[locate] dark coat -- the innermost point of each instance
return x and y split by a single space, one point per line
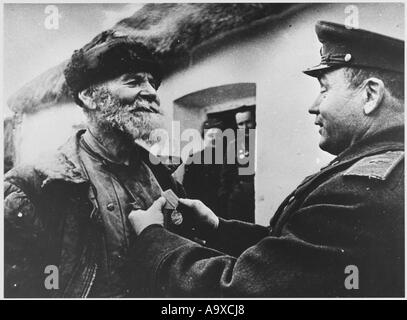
51 217
203 180
351 213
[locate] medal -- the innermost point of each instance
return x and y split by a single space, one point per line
176 217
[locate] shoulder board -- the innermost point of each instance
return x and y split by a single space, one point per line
378 166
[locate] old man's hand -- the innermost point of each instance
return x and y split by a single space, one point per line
141 219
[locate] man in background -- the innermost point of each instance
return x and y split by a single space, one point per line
238 177
202 177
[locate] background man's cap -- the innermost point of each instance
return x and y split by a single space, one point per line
244 115
107 56
344 47
213 123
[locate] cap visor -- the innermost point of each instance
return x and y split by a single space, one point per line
317 70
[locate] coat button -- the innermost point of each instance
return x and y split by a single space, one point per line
110 207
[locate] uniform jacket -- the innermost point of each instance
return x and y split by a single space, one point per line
52 218
339 233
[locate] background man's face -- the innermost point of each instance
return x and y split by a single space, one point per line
130 103
245 120
339 112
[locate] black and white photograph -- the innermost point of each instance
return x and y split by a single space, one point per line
203 150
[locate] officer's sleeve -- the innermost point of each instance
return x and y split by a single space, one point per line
21 232
172 266
233 236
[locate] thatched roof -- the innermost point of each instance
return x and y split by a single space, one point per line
46 90
172 30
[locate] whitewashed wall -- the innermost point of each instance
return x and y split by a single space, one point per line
43 132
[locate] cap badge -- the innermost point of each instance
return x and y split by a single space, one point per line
335 58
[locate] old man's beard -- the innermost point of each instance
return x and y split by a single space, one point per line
132 119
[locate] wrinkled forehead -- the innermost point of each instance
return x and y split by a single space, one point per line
138 75
243 116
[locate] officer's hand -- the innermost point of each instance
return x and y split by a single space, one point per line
201 214
141 219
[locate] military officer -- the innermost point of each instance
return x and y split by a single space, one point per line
341 232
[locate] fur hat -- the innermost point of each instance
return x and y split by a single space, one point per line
107 56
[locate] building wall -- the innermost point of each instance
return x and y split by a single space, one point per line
287 140
43 132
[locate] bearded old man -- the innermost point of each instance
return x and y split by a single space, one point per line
70 210
341 231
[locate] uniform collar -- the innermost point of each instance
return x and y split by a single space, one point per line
388 139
